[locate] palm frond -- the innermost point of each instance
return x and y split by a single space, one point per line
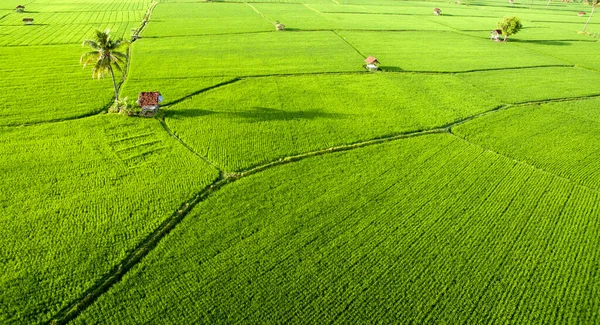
90 43
87 58
117 66
104 55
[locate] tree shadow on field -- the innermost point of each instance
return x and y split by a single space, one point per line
541 42
253 114
179 114
390 68
265 114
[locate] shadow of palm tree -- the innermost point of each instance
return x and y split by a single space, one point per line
179 114
254 114
541 42
265 114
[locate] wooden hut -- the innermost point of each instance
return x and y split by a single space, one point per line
20 8
495 34
279 26
437 11
28 21
581 13
371 63
150 103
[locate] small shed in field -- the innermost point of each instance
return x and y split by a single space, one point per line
150 103
371 63
279 26
437 11
495 34
581 13
20 8
28 21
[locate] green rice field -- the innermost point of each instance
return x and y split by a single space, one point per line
282 182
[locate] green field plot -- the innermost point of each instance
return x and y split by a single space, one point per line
576 28
258 120
424 230
82 17
44 83
88 5
60 34
77 197
307 17
294 16
577 53
560 138
67 23
244 55
281 182
535 84
178 19
485 24
282 1
172 90
382 22
444 51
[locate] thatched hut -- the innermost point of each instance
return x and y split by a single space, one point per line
28 21
495 34
437 11
150 103
371 63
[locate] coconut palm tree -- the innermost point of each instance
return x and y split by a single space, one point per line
105 56
594 4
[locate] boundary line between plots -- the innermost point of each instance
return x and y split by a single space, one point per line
74 309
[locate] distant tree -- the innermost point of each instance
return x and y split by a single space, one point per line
594 4
509 26
105 57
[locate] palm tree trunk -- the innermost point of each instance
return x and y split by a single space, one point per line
112 74
590 17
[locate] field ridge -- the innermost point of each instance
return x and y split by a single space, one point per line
134 257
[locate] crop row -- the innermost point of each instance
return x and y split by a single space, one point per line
48 83
255 121
558 138
78 6
61 34
70 18
424 230
77 197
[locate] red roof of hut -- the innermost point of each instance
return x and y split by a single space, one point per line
150 98
371 60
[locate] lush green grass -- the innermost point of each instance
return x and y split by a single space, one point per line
445 51
178 19
426 230
48 83
495 223
526 85
578 53
240 55
258 120
560 138
69 23
77 197
173 90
